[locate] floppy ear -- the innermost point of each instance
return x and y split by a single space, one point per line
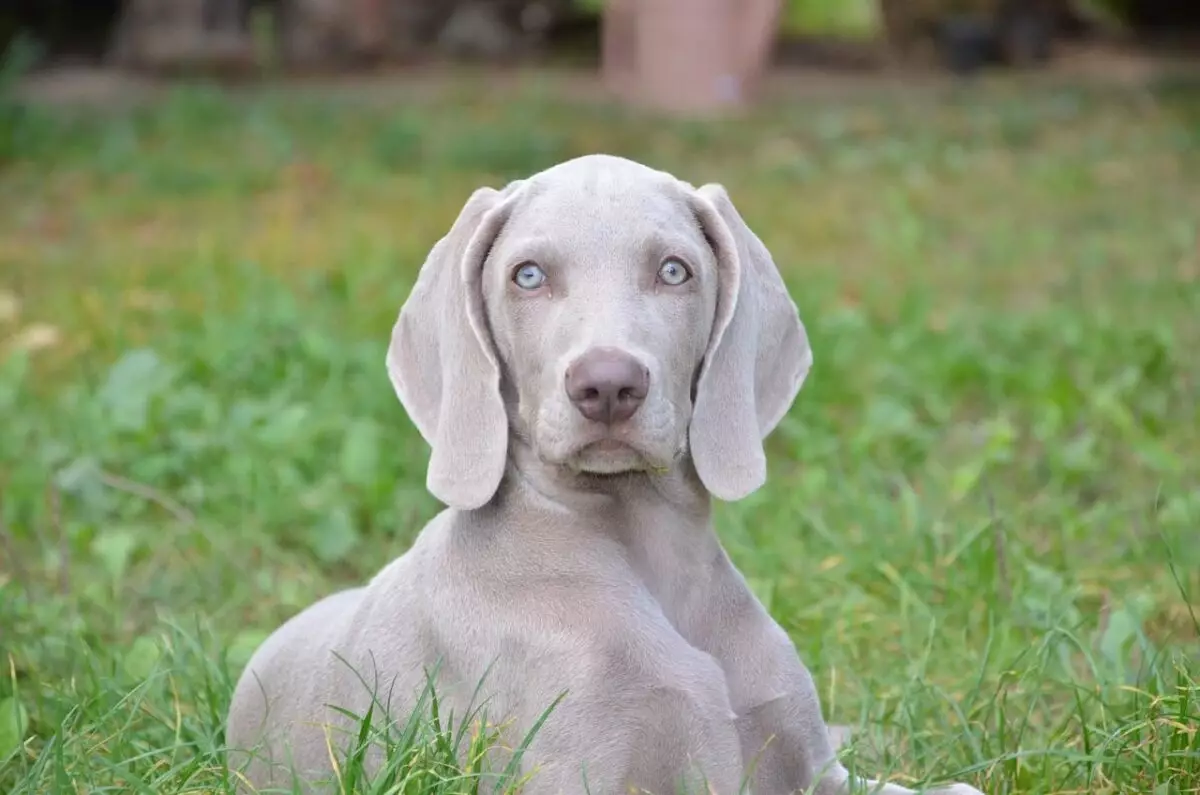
757 357
442 363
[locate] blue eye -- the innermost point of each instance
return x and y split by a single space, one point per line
529 276
673 272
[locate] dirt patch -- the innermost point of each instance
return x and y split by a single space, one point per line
88 86
1091 64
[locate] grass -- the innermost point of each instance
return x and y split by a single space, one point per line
982 524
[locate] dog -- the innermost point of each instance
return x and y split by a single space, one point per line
593 354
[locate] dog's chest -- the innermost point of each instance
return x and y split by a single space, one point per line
680 566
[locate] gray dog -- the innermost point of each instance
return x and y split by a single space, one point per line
593 354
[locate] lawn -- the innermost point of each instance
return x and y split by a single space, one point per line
982 519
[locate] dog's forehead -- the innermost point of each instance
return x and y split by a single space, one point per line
602 193
600 171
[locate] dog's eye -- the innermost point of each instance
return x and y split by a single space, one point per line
529 276
673 272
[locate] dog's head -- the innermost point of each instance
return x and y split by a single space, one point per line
609 315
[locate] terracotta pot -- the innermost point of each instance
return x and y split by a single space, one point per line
757 24
688 56
618 45
370 26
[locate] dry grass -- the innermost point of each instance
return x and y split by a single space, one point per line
982 516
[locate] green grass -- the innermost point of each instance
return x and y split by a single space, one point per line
982 523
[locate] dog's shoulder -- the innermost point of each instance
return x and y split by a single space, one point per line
425 557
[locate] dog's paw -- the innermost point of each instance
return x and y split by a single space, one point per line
839 736
954 789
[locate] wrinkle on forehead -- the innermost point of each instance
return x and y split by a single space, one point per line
601 213
595 169
585 189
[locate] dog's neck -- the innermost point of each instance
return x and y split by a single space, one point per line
660 522
630 494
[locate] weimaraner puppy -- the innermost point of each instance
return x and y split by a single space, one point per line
593 354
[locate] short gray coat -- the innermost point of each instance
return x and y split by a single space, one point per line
576 557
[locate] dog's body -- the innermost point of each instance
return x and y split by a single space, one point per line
592 353
642 620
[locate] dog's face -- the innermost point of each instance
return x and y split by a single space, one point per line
600 294
609 316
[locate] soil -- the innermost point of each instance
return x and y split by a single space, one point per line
89 85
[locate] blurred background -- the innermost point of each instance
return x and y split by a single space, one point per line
982 520
667 53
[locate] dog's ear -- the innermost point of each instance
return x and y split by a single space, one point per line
757 357
442 362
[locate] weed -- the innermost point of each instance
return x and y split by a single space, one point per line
981 520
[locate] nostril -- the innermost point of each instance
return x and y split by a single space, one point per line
607 385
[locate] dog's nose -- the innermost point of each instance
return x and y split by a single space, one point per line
607 385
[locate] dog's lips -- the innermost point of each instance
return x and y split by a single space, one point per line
609 442
606 452
597 447
608 445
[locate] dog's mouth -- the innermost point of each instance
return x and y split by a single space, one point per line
601 449
612 455
608 445
607 455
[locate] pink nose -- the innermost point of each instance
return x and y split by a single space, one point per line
607 385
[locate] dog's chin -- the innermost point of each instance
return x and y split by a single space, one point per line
609 457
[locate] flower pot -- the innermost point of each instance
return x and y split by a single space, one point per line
687 56
618 45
